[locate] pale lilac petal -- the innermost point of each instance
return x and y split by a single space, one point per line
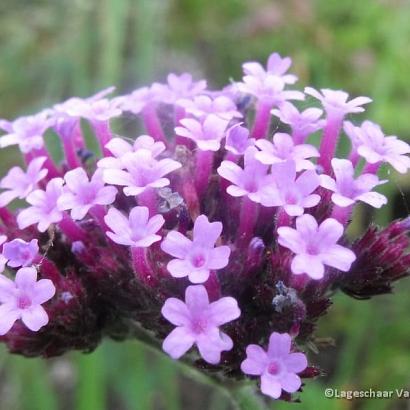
223 311
212 344
290 238
219 257
373 198
178 342
34 318
176 244
179 268
270 386
8 315
309 264
198 275
196 298
206 233
256 361
339 257
26 278
176 312
44 290
330 231
279 345
296 362
290 382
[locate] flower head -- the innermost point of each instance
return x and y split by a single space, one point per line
293 194
197 322
207 133
197 257
347 190
43 210
81 193
18 184
278 366
22 299
246 181
138 230
26 132
141 171
315 246
282 148
375 147
20 253
336 102
237 139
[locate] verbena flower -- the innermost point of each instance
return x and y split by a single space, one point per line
198 322
214 193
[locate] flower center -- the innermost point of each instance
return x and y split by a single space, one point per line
312 249
23 302
198 260
274 368
199 325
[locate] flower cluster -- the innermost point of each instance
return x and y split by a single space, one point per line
220 232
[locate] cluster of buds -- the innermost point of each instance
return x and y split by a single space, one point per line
219 236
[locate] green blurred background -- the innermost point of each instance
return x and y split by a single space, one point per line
50 50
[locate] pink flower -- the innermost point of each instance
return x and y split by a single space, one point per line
375 147
202 105
22 299
136 101
138 230
18 184
141 171
302 123
119 147
19 252
292 194
198 257
283 149
347 190
270 89
177 87
81 194
276 66
335 102
197 322
315 246
26 132
246 181
207 133
237 139
44 210
278 367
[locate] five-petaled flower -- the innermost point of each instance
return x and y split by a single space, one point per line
19 252
22 299
198 322
138 230
277 367
197 257
315 246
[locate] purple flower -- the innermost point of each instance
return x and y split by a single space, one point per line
293 194
336 102
315 246
270 89
197 322
247 180
198 257
19 252
278 367
202 105
44 210
283 149
22 299
375 147
26 132
142 171
276 66
207 133
18 184
177 87
347 190
302 123
119 147
237 139
81 194
138 230
136 101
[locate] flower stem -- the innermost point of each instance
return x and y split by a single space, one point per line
262 120
72 230
247 220
329 141
371 168
203 168
342 214
148 198
103 133
142 268
152 123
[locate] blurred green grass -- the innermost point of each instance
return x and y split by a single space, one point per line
52 50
